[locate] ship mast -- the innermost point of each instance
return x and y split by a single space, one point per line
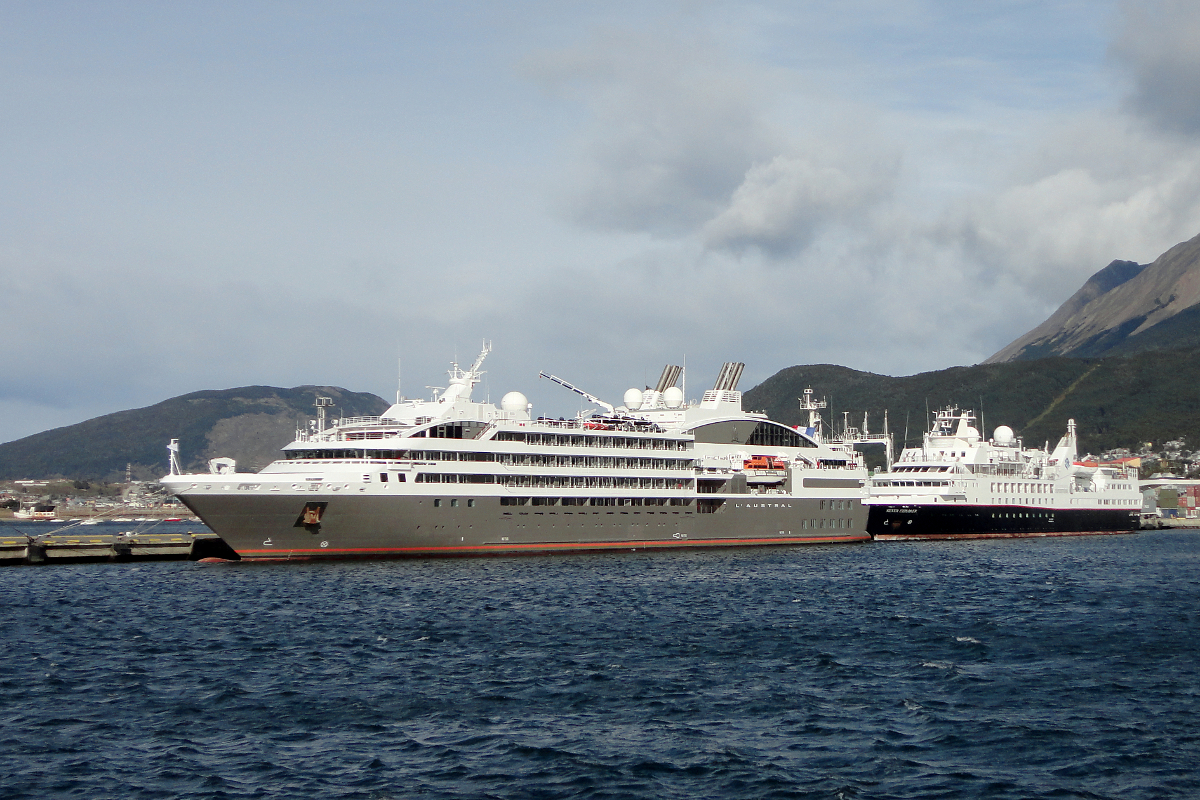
462 382
813 407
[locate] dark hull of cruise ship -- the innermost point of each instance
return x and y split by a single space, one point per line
274 528
902 521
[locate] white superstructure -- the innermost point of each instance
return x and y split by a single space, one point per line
451 474
959 484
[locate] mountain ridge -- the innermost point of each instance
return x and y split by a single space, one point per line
1116 401
1122 309
248 423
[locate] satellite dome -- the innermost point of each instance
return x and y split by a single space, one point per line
1003 435
673 397
633 399
514 401
222 466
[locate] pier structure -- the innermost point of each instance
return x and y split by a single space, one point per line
76 547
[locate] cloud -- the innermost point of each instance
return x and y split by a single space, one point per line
778 184
781 204
1158 42
779 200
1095 192
674 127
684 141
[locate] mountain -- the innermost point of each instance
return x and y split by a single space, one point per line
249 424
1124 308
1115 401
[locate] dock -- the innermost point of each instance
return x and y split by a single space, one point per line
76 548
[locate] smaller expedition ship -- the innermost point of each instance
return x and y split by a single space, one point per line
957 485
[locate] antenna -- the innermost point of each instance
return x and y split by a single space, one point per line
887 435
814 415
474 371
322 403
399 366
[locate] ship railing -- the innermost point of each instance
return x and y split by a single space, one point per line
360 435
343 436
550 422
601 424
355 421
1120 473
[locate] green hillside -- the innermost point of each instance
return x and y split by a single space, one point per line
1115 401
249 424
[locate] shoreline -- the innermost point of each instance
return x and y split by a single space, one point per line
74 515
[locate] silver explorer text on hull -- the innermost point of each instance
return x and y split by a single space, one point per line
451 476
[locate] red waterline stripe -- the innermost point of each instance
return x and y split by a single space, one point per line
571 545
885 537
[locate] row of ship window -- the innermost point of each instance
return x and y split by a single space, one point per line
454 501
579 440
767 434
515 459
599 502
558 481
912 483
592 462
1023 488
595 501
811 524
839 523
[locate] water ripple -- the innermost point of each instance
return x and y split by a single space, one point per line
1016 669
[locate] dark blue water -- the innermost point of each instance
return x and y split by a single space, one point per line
1057 668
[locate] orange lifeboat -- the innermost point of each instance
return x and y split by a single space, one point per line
764 462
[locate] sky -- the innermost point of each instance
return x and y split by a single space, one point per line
199 195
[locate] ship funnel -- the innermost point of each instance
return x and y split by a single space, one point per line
669 377
731 373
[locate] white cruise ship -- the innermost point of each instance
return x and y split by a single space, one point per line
957 485
452 476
